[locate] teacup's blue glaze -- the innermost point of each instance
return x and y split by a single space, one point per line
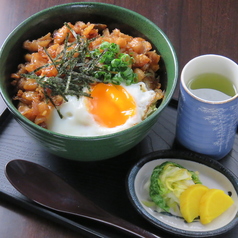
204 126
207 128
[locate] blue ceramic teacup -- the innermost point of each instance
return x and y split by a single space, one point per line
207 126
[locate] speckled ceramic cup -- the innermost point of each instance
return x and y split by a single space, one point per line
204 126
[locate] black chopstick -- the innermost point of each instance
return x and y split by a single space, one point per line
83 230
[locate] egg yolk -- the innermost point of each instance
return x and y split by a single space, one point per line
111 105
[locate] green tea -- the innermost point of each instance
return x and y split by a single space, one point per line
212 87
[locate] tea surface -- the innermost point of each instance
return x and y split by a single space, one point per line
212 87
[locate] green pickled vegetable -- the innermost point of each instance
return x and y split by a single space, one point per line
168 181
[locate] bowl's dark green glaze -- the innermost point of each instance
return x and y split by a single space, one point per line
129 22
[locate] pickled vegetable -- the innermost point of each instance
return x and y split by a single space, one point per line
190 201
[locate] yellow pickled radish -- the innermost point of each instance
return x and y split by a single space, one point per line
213 203
190 201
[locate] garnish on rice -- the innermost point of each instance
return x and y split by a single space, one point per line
74 58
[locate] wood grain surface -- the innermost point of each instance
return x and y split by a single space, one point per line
194 27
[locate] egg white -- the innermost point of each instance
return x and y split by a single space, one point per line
77 121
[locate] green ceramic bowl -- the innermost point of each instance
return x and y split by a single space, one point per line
129 22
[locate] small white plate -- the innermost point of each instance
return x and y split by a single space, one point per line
211 173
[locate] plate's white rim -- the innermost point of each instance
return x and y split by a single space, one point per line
208 176
198 160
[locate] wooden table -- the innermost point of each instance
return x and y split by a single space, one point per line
194 27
